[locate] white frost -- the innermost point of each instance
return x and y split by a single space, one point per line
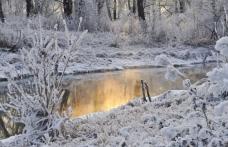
222 46
221 108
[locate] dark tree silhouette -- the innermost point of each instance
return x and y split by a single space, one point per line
141 12
29 7
114 10
67 7
2 17
182 6
129 4
134 6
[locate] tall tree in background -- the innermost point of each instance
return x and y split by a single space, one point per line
29 7
100 4
141 12
134 6
176 6
99 20
182 6
67 7
2 17
129 4
115 10
109 9
214 34
225 24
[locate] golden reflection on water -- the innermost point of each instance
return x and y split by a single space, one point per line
109 90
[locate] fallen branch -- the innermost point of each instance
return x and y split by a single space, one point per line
145 87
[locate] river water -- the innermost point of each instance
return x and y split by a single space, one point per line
104 91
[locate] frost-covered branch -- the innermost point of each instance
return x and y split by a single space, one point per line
36 102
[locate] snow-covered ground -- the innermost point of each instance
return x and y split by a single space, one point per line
170 120
106 51
197 117
175 118
180 118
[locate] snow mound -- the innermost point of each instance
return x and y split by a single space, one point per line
169 132
222 46
219 74
162 60
221 108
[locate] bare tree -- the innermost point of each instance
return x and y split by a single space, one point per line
182 6
134 6
176 6
100 4
214 34
29 7
225 25
129 4
108 9
68 7
141 12
115 10
2 17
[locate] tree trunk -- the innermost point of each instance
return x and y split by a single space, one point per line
108 9
114 10
67 7
141 12
182 6
153 17
176 7
134 6
29 7
2 17
214 34
80 12
225 22
100 4
129 4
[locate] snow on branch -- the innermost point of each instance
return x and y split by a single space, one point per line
36 102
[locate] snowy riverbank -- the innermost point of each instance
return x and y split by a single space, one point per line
106 52
170 120
193 117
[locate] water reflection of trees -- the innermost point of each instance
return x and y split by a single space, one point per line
113 90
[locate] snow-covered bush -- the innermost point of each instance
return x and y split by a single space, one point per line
10 38
222 46
209 101
36 102
219 75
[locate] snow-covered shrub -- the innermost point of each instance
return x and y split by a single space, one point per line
221 108
207 96
36 102
219 75
215 87
10 38
222 46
